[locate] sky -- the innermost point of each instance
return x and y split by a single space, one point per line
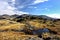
49 8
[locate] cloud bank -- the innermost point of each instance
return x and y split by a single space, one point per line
54 15
39 1
5 8
11 7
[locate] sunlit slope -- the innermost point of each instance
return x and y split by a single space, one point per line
17 36
54 26
6 24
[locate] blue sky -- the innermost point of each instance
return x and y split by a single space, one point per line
36 7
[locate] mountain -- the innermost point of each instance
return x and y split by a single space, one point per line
39 21
27 16
39 25
14 16
32 17
9 17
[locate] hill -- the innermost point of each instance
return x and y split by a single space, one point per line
29 25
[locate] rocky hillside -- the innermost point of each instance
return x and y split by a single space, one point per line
39 21
41 26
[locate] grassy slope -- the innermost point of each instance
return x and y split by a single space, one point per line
8 25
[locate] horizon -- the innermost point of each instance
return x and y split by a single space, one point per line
29 14
49 8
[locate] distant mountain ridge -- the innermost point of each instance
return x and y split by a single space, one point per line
5 16
35 17
27 16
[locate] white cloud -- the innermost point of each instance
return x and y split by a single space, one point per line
55 15
20 6
39 1
33 7
5 8
13 0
